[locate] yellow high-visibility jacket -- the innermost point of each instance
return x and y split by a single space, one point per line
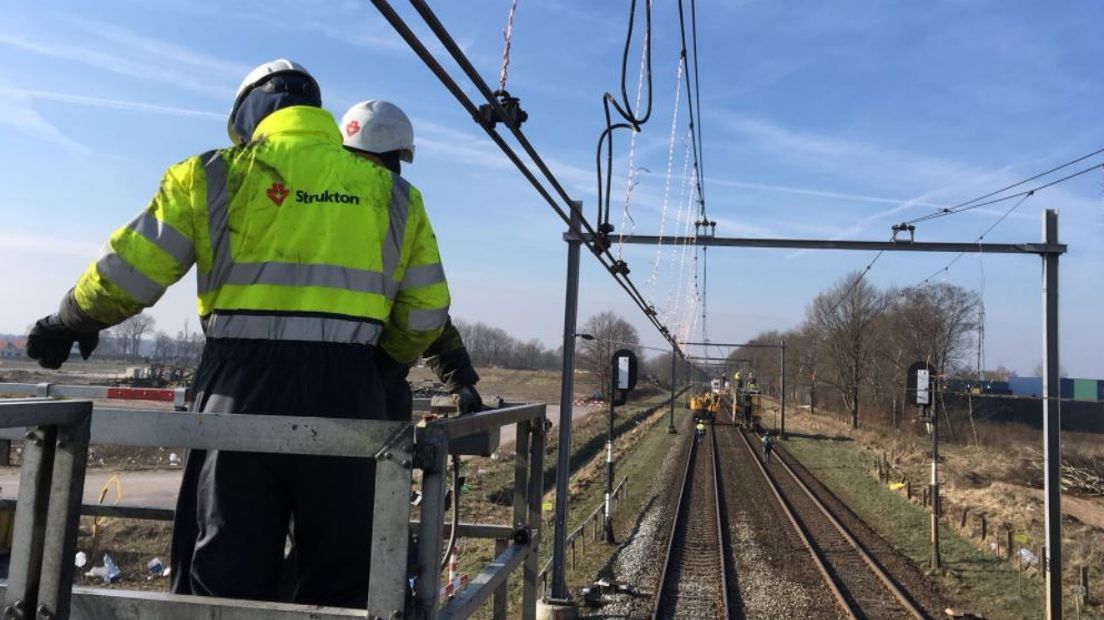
293 237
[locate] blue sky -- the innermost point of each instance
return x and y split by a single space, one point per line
818 120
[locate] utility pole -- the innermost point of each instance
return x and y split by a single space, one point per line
936 561
607 525
782 394
674 374
1052 422
573 237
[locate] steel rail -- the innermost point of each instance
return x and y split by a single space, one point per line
786 508
875 568
674 531
721 521
680 514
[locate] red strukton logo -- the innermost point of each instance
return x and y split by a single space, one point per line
352 127
277 193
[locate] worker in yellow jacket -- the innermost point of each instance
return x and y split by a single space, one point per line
314 269
380 132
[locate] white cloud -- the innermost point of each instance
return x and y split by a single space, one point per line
183 74
21 116
117 104
804 191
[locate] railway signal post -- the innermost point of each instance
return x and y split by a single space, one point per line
623 379
920 387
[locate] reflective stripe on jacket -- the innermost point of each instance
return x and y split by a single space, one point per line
293 238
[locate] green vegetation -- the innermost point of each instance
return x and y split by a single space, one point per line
976 580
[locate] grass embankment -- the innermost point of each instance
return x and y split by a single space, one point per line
641 441
978 580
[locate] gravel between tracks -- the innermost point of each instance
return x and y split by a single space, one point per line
775 574
639 561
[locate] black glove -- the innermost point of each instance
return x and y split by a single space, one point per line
50 342
468 400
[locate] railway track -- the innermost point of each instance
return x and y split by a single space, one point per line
859 584
694 582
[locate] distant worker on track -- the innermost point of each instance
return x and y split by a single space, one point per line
301 303
699 431
768 447
381 133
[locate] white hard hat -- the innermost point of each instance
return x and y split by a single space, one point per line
377 126
255 77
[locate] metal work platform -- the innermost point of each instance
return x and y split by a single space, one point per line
56 435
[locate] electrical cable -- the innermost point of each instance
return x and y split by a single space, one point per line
627 113
981 237
630 182
450 45
690 106
697 93
974 204
455 510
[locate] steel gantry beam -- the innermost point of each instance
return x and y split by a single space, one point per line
1045 248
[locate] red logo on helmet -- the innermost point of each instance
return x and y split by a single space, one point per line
352 127
277 193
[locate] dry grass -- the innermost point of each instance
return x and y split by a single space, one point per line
1000 478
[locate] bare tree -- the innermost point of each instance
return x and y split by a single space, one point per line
659 367
131 332
841 319
492 346
188 345
936 323
610 333
764 363
163 346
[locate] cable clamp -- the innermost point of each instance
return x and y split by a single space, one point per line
620 266
601 239
904 227
488 115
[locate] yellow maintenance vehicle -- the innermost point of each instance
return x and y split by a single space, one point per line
748 406
705 405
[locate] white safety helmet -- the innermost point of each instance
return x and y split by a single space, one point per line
254 78
378 126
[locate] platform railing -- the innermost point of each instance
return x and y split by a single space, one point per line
56 436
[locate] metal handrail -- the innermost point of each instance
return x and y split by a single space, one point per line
48 508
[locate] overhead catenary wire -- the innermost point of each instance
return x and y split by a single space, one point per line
981 201
686 193
671 141
601 252
697 95
690 99
981 237
977 202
